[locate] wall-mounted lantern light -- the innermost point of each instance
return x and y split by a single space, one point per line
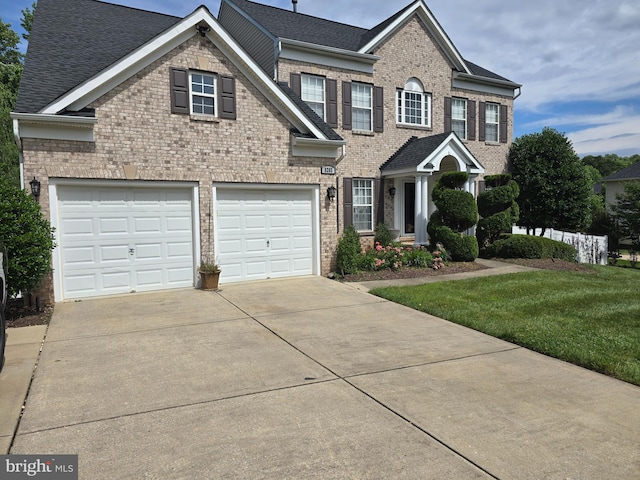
331 192
35 188
392 192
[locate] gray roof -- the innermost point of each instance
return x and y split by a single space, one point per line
286 24
413 152
73 40
632 172
309 113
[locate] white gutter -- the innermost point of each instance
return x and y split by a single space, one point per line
16 136
333 51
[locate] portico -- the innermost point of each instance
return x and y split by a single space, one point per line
414 170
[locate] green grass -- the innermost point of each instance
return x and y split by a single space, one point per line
589 319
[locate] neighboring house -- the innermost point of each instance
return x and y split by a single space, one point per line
614 183
161 140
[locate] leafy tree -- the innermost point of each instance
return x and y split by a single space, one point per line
457 211
10 72
609 163
554 189
626 213
27 235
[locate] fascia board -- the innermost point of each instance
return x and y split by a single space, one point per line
311 147
484 84
327 56
431 24
53 127
102 83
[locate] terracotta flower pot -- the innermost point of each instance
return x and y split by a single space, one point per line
209 280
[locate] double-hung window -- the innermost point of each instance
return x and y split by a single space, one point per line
313 93
413 104
203 93
459 117
492 122
363 204
362 107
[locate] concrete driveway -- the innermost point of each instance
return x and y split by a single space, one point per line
310 378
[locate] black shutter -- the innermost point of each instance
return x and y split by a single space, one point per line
378 109
296 83
227 98
179 84
379 190
332 102
482 117
503 124
471 120
347 193
347 123
447 114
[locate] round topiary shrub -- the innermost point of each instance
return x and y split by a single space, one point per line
456 212
498 209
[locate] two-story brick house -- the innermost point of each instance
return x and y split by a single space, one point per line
252 139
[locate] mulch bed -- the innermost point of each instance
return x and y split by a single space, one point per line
19 315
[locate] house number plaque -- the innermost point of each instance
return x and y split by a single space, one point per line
328 170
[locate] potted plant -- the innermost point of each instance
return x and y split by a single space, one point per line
209 275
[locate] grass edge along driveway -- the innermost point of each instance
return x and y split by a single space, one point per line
589 319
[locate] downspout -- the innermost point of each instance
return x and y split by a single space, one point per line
519 93
16 136
342 155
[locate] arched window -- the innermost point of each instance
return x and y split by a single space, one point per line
414 104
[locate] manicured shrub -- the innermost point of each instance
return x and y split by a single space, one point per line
528 246
28 237
498 209
456 212
349 251
383 235
418 257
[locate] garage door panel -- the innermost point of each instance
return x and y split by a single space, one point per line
260 232
124 239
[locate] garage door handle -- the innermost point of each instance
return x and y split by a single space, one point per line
131 251
267 243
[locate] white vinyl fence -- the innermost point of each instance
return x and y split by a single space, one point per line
591 248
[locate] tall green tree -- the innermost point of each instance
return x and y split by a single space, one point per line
626 213
554 188
609 163
10 72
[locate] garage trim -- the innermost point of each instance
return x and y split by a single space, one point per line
54 183
314 190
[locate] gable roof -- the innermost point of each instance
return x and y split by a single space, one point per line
424 155
66 52
288 25
78 80
632 172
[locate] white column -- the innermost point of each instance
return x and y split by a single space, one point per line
418 209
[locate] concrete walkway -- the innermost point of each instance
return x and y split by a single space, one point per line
311 378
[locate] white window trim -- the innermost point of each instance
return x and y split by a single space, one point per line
413 86
354 107
456 119
308 101
370 182
206 95
496 123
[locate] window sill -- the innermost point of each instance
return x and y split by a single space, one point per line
409 126
492 144
364 133
196 117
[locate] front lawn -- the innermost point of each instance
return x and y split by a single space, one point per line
590 319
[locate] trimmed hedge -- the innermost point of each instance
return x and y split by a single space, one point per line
528 246
349 251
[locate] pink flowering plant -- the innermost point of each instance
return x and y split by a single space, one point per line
396 256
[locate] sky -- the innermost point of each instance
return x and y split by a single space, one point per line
578 60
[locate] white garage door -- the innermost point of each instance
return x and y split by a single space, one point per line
119 240
264 233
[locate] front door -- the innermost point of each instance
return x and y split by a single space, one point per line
409 218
